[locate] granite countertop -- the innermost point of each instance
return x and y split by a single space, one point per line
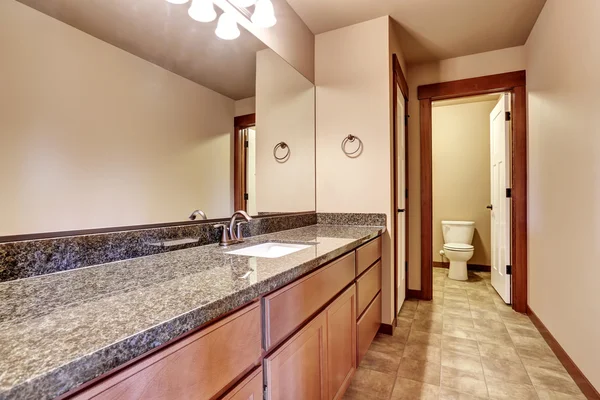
60 330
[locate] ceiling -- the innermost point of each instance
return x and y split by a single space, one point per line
163 34
432 29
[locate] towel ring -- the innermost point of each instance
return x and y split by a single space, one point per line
351 139
283 146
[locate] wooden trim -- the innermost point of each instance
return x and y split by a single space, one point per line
413 294
473 86
513 82
388 329
471 267
426 200
398 80
239 159
580 379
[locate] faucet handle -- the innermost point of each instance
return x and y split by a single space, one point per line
224 235
239 229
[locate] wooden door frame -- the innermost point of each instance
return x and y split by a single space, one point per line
239 159
399 80
515 83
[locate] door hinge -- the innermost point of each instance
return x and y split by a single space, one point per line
508 193
406 117
509 270
246 144
245 196
507 116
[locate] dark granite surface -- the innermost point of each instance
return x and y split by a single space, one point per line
360 219
29 258
60 330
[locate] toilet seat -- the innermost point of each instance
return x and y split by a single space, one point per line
458 247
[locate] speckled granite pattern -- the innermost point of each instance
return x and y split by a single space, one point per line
351 219
38 257
60 330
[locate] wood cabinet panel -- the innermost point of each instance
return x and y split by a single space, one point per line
367 254
298 369
250 388
198 367
367 328
367 287
341 343
289 307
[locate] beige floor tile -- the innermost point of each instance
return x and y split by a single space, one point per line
406 389
547 361
452 319
419 370
423 352
495 338
543 378
450 394
455 291
459 345
499 352
408 313
457 312
425 325
482 307
460 332
464 362
382 362
505 370
428 338
454 296
545 394
370 385
388 344
463 381
410 304
498 389
490 326
523 330
460 305
486 315
403 321
512 317
428 315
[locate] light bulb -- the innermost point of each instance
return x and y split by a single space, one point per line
264 14
243 3
178 1
227 28
202 10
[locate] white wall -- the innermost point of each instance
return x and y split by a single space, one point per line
352 73
245 106
563 61
93 136
461 172
489 63
285 111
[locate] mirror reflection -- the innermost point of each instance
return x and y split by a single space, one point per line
119 113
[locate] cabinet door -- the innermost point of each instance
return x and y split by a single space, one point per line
250 388
341 342
298 369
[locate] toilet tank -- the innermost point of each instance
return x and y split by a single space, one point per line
458 231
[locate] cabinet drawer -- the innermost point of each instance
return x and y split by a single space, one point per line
367 328
250 388
290 306
367 254
367 286
197 367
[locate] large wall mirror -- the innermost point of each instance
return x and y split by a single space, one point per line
125 112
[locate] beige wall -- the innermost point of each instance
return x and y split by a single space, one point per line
461 172
93 136
564 177
353 96
245 106
493 62
285 111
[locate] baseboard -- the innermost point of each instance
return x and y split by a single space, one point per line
471 267
413 294
584 384
388 329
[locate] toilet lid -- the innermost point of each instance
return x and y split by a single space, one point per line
458 246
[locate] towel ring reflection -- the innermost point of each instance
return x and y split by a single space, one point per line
283 146
352 139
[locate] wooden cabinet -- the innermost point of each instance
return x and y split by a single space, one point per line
341 343
250 388
367 287
197 367
298 369
287 308
367 328
367 254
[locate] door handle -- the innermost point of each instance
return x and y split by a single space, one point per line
401 210
490 207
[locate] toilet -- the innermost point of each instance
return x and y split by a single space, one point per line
458 236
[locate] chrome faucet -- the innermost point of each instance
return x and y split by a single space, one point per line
230 234
196 213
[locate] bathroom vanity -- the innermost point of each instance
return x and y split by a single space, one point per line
207 325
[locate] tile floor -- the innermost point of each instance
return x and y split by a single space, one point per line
465 344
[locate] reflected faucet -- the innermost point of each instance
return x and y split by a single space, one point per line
196 213
230 235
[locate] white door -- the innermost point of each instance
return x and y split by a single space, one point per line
401 214
500 130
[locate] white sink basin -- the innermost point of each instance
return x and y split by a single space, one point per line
270 250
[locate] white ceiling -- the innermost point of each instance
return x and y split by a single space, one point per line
163 34
432 29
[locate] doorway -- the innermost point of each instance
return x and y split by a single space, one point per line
244 160
400 162
512 83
